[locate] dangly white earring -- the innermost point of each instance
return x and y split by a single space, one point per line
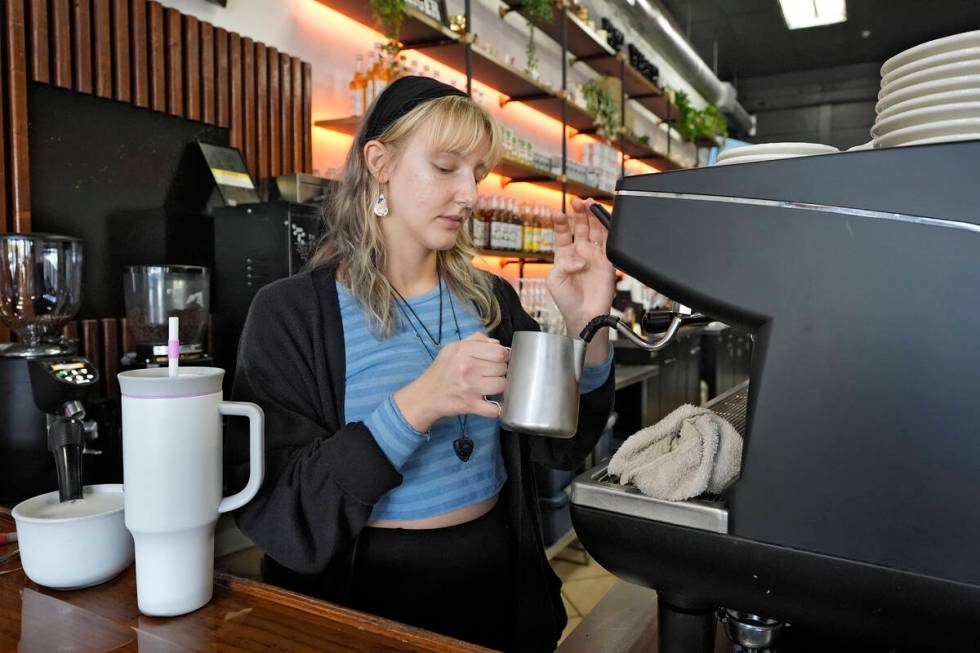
381 206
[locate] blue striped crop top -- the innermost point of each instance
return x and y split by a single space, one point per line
434 480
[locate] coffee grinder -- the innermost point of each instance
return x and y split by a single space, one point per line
155 293
42 382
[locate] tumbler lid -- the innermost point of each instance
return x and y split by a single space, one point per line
154 382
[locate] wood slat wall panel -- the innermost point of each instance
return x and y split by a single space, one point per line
236 135
275 114
90 342
192 68
248 108
207 74
297 117
138 62
286 109
175 69
81 40
102 33
157 57
60 45
4 182
262 109
121 61
141 52
110 359
40 60
15 86
307 117
222 80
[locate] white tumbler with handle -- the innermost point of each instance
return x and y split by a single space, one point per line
172 480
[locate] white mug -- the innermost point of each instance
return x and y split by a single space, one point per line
172 480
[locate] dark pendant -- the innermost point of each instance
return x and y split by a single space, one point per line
463 447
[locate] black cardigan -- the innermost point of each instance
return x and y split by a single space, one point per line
323 475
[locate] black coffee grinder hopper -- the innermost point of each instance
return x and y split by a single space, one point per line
59 387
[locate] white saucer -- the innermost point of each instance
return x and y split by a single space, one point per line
964 54
932 100
955 69
936 86
931 130
925 115
932 48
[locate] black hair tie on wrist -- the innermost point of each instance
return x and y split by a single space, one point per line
401 96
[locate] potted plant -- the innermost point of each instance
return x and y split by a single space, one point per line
388 16
604 108
694 124
535 11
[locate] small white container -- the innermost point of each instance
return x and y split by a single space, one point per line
74 544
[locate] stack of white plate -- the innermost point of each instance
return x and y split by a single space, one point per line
772 151
930 93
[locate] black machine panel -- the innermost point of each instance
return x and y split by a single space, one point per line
863 418
255 245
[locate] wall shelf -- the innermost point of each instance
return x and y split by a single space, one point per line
417 30
518 172
524 257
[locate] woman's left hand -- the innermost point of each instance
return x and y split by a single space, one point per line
582 280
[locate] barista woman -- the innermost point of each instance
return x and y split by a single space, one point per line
390 485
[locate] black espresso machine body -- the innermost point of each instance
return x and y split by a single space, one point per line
858 273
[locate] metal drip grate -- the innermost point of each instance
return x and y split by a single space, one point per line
733 406
597 489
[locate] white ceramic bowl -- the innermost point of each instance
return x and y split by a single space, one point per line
932 100
946 71
956 130
931 49
793 149
925 115
757 158
76 544
926 89
941 59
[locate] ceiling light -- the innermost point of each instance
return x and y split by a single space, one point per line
812 13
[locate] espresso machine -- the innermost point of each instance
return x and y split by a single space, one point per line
45 425
854 520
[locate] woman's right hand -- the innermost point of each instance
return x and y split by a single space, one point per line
457 382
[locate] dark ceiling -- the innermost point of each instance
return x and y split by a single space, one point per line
753 39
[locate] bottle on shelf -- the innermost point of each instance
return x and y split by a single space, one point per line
479 224
382 75
370 78
518 242
496 224
358 87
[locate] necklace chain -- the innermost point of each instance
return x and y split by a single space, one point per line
462 419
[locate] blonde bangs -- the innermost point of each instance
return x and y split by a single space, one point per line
456 124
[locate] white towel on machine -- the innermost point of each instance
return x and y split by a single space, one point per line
689 452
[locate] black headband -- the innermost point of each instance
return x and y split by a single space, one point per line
401 96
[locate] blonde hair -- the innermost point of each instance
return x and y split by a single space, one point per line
352 239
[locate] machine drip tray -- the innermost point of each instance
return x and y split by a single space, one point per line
597 489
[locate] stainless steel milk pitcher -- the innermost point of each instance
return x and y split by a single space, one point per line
542 392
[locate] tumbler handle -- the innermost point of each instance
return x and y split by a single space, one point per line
256 452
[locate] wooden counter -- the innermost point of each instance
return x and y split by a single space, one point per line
244 615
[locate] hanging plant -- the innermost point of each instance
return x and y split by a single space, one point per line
604 109
388 16
535 11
